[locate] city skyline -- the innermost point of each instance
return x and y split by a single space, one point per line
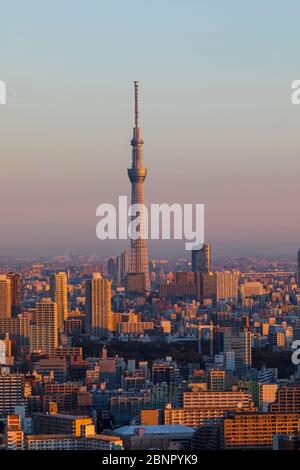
149 294
217 117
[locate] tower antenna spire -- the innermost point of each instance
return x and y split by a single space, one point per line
136 99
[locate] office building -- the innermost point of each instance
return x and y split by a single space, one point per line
165 371
123 263
240 344
201 259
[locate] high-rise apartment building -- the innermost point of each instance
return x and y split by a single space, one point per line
200 407
193 417
219 380
5 296
117 268
44 333
230 400
287 400
59 294
206 283
7 346
251 289
183 283
72 442
226 285
217 286
111 268
201 259
14 435
98 305
18 329
11 392
137 174
16 286
256 430
267 395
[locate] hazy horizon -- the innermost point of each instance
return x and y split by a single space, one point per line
216 117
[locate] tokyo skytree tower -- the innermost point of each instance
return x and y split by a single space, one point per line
137 174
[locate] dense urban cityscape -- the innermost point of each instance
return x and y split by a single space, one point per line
124 352
202 361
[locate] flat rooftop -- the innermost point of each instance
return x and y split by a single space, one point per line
157 429
62 416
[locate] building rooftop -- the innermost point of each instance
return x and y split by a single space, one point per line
157 429
104 437
53 437
62 415
99 437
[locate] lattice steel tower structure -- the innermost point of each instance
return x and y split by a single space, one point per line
137 174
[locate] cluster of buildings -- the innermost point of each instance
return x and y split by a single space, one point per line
61 387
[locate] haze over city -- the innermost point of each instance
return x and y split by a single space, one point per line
217 120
